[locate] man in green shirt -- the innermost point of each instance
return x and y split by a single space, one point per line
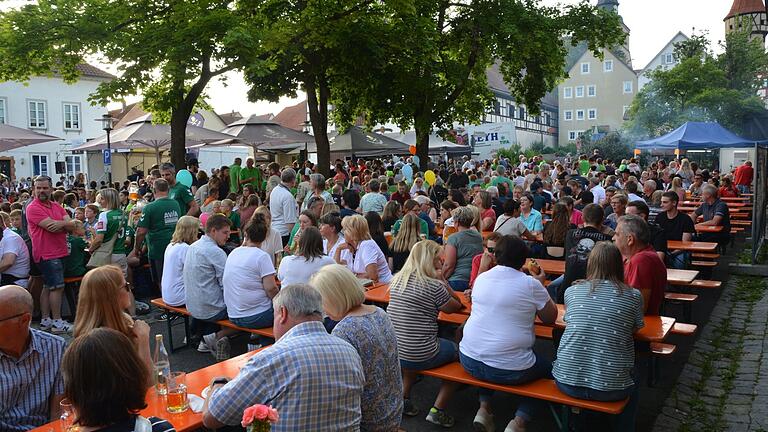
74 262
502 178
179 192
234 176
584 165
250 175
157 223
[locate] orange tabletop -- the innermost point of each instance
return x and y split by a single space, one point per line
681 277
708 228
551 267
196 382
730 204
380 294
692 246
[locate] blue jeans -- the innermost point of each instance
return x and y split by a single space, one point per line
553 286
679 260
743 188
258 321
458 285
528 407
446 354
620 422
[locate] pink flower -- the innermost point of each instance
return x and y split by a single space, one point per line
259 413
272 415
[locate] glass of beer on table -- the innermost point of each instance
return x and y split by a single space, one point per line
67 416
176 398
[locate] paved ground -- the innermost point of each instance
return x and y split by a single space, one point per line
717 380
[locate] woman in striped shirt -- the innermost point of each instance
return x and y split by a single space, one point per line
417 294
596 357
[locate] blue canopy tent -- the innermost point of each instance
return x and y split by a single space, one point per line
696 136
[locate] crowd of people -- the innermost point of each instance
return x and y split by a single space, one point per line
288 248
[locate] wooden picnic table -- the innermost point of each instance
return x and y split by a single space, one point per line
196 382
730 204
708 228
689 209
681 277
691 246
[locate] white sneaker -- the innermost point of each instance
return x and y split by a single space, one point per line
46 324
483 421
203 347
253 347
210 341
222 349
61 326
513 427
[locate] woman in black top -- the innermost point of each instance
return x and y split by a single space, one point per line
556 229
377 232
408 235
391 215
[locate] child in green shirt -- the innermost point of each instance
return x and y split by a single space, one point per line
74 262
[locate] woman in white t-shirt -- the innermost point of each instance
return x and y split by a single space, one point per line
172 282
499 335
330 229
273 243
309 258
249 279
360 253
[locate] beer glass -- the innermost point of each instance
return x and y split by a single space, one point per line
176 398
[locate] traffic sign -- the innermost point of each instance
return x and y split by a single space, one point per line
107 158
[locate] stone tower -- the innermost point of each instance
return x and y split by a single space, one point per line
750 13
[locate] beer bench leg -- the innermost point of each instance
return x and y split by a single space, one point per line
172 317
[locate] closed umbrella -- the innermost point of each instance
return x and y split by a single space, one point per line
12 137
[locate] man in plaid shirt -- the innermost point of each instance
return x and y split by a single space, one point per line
313 379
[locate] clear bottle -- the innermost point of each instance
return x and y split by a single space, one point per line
162 366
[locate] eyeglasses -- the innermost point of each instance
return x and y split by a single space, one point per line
491 249
12 317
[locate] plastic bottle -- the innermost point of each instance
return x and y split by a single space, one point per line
162 366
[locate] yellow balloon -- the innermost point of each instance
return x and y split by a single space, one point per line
429 176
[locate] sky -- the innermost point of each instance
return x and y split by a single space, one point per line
652 24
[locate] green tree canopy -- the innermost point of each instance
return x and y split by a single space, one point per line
168 51
433 70
702 87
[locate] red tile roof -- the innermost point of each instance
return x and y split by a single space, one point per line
293 117
740 7
92 71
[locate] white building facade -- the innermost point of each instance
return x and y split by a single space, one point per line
49 105
664 60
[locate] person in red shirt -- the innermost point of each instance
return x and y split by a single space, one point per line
743 177
402 194
728 190
642 267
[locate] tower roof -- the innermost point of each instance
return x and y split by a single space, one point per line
610 4
741 7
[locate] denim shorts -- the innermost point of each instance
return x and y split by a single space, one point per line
447 353
53 273
458 285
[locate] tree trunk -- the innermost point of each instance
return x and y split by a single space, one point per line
423 127
178 138
317 103
183 109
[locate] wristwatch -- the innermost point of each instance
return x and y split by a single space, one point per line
221 381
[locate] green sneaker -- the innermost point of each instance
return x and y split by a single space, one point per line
439 417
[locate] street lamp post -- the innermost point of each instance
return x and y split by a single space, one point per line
106 124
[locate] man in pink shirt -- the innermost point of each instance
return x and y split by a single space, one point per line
48 224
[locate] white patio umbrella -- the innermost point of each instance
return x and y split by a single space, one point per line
142 133
12 137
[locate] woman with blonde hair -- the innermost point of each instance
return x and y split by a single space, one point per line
360 253
329 207
104 297
417 295
677 187
584 368
408 236
172 282
370 331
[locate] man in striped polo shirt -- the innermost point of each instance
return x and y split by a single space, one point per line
29 360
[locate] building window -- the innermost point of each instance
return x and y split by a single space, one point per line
39 164
624 111
627 87
567 92
522 112
568 115
74 164
669 58
591 91
71 116
579 115
608 66
579 91
37 115
592 114
3 119
584 68
571 135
